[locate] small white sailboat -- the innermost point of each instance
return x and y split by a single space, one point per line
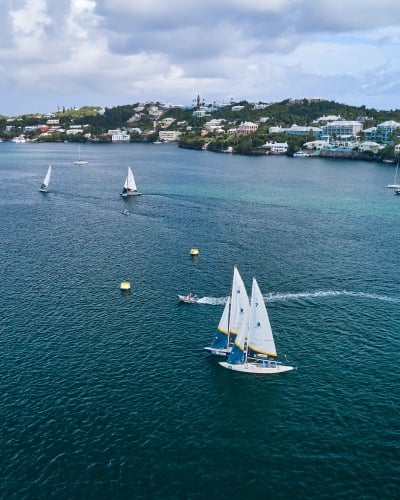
235 313
254 350
130 188
395 184
46 181
79 161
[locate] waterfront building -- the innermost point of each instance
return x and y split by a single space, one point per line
276 147
342 128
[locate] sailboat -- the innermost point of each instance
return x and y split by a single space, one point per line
46 180
254 350
79 161
235 312
395 184
130 188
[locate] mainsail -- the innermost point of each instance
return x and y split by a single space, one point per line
235 311
130 184
46 180
261 339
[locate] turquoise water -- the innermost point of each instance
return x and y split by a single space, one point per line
106 395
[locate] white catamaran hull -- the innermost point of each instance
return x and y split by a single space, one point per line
256 368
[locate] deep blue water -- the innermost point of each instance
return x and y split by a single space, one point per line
106 395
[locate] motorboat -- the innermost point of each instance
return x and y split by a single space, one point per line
189 298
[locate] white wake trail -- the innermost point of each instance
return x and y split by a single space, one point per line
284 297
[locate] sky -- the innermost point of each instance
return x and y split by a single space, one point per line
73 53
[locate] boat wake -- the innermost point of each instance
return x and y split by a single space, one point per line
285 297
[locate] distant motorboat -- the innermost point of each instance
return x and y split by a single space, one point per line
301 154
18 139
189 298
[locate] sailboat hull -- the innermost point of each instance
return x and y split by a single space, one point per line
218 352
257 368
134 193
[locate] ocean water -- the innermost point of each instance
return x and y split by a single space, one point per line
109 395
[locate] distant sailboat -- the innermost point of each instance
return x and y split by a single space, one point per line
395 184
235 312
46 180
79 161
130 188
254 350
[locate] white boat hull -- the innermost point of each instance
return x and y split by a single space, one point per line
125 195
257 368
218 352
188 300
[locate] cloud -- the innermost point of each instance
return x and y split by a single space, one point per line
108 52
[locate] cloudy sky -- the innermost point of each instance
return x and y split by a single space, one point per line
56 53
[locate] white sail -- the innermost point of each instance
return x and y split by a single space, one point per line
79 161
254 344
239 303
46 180
130 183
234 316
260 339
223 325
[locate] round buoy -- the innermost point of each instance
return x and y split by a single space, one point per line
194 252
125 285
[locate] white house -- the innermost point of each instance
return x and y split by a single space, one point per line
276 147
169 135
121 136
370 146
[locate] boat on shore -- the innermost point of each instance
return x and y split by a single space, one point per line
301 154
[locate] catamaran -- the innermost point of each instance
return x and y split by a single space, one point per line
46 180
254 350
130 188
235 313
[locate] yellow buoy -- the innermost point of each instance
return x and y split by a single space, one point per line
125 285
194 252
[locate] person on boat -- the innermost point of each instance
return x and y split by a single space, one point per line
190 295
